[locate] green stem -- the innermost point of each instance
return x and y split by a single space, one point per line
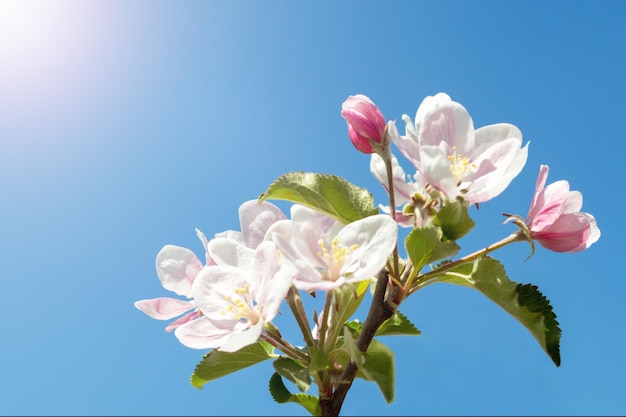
278 342
325 319
427 277
297 308
386 155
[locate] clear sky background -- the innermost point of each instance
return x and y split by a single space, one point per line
124 125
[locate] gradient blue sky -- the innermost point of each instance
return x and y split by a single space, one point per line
126 124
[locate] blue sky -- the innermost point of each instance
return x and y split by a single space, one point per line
125 125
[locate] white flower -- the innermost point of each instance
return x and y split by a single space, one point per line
328 254
177 268
456 159
237 296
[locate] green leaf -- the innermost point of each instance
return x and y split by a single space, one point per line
318 359
281 395
294 371
454 220
425 245
217 364
348 297
523 301
380 367
377 364
349 344
397 324
328 194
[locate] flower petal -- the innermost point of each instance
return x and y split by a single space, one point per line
403 190
226 251
255 220
204 333
164 308
183 320
550 204
374 238
242 338
448 125
572 232
213 288
177 267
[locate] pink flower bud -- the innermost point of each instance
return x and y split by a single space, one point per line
365 122
555 219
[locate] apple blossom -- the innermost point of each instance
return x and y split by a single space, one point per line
365 122
328 254
255 219
237 296
456 159
177 268
555 220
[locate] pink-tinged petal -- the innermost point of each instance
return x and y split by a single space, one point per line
240 339
184 319
449 125
550 204
570 233
574 202
204 333
401 218
177 267
164 308
541 182
403 190
256 219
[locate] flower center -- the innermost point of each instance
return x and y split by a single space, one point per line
334 258
460 165
242 306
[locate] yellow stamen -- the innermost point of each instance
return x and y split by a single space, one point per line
460 165
335 258
242 306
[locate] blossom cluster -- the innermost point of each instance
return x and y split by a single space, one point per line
247 274
238 289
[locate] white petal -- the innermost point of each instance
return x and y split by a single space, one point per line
230 252
447 126
255 219
203 333
281 227
240 339
177 267
403 190
375 237
436 170
487 136
501 164
214 285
